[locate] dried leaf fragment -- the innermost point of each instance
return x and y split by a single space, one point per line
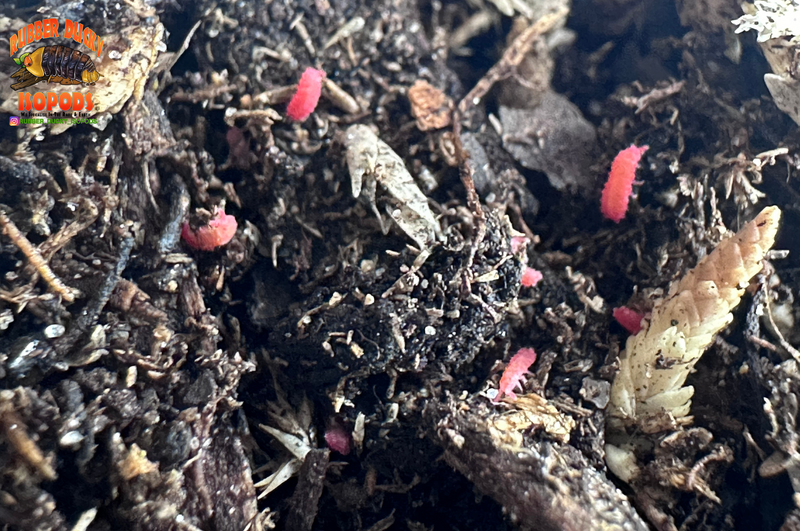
772 19
785 91
530 411
554 138
370 161
430 106
657 360
135 463
776 22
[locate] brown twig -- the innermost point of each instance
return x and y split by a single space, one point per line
763 343
512 57
655 95
35 258
465 171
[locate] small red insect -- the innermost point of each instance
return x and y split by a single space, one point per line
219 231
619 187
514 374
631 320
530 277
306 98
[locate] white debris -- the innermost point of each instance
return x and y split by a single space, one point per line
371 161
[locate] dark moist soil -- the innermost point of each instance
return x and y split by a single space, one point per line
143 403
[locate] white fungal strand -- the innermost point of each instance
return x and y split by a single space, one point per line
657 360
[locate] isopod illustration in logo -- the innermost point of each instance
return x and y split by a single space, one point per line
55 64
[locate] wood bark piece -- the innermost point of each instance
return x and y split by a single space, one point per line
545 486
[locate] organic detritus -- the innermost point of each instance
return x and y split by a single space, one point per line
370 160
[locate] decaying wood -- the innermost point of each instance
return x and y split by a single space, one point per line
304 504
544 486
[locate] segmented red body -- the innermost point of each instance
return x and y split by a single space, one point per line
307 96
619 187
631 320
219 231
514 374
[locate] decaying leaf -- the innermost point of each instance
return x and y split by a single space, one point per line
430 106
126 72
554 138
370 161
777 23
530 411
786 92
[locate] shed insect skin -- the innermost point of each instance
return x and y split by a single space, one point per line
55 64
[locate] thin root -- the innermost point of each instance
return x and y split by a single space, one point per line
35 258
512 57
